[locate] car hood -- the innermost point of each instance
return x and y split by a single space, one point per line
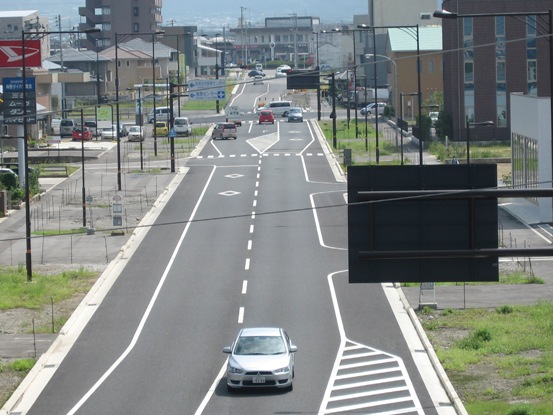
253 363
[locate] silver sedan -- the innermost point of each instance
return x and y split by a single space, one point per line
260 357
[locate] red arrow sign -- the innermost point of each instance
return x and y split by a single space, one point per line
11 54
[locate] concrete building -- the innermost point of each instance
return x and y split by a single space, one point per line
135 62
281 38
119 16
488 58
531 165
402 50
402 13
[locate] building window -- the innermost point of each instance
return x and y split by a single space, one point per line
106 26
501 104
277 38
469 72
431 66
500 74
135 11
467 26
531 56
136 27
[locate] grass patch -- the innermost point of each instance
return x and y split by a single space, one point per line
498 358
46 232
18 293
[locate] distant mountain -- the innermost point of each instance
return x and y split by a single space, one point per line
208 15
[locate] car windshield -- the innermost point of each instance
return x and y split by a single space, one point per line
260 345
134 129
298 110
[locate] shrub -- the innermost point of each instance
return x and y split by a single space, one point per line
504 309
520 410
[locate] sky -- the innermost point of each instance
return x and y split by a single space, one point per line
207 14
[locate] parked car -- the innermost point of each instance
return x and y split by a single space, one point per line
81 133
93 127
136 133
182 126
55 126
266 116
260 357
370 109
66 127
109 132
224 131
295 114
161 128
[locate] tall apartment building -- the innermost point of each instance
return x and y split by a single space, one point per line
121 17
486 59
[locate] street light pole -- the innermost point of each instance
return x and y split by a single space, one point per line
217 68
28 251
416 37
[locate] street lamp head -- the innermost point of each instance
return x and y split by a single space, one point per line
444 14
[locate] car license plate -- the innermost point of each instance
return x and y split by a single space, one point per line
258 379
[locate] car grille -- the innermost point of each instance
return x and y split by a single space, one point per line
268 373
267 383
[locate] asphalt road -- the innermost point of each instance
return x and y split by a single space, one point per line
254 234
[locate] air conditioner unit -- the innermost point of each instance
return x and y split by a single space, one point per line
426 16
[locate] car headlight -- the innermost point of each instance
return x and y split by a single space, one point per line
236 370
282 370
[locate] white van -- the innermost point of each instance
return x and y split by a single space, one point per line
161 114
182 126
278 107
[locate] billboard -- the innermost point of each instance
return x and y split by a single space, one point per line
421 223
11 53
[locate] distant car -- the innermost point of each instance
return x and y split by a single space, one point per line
109 132
254 73
258 80
161 128
266 116
182 126
224 131
66 127
295 114
92 126
136 133
81 133
7 170
283 68
55 125
370 109
260 357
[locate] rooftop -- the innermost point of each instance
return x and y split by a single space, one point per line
17 13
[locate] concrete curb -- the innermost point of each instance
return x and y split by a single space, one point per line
444 380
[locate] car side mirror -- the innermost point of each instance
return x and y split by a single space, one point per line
226 350
293 348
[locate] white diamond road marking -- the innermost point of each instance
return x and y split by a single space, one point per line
234 175
229 193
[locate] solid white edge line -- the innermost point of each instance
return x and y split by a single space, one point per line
341 330
151 304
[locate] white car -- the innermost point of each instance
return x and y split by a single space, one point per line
109 132
260 357
135 133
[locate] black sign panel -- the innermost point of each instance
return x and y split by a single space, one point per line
302 79
421 235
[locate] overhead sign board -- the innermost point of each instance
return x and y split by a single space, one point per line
11 53
14 104
207 89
